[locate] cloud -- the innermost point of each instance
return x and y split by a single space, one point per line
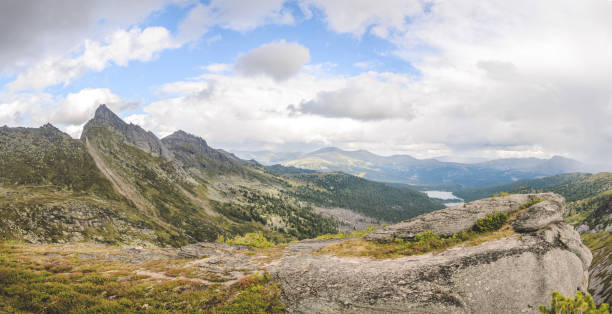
279 60
77 108
235 15
370 96
120 48
30 30
217 67
358 16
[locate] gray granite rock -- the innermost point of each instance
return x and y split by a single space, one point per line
510 275
515 274
541 214
454 219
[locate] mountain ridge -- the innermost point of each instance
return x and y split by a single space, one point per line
169 191
409 170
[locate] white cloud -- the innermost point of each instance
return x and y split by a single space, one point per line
123 46
120 48
370 96
17 110
236 15
279 60
77 108
357 16
31 30
217 67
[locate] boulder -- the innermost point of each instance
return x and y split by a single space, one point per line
541 214
455 219
510 275
515 274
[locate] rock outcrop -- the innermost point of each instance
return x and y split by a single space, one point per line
454 219
514 274
133 134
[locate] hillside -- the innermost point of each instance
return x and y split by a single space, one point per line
409 170
573 186
120 184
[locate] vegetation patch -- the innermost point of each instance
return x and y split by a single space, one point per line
491 222
345 235
254 239
31 282
581 303
491 227
500 194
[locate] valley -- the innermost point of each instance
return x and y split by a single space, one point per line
120 220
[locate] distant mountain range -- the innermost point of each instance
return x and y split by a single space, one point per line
409 170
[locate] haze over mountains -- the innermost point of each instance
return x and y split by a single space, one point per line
409 170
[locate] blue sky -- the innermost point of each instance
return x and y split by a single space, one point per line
423 77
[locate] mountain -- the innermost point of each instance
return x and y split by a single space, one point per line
406 169
119 183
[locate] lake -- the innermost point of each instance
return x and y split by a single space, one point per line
445 195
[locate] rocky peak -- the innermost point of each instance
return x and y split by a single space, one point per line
181 135
133 134
105 114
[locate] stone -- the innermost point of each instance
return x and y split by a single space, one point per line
541 214
455 219
515 274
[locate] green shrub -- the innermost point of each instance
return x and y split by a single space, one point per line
490 222
252 239
581 303
500 194
331 236
341 235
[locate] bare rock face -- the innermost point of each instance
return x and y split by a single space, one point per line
542 214
515 274
454 219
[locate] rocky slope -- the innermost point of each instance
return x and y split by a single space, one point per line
513 274
121 184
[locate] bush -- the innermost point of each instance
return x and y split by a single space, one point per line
581 303
340 235
500 194
491 222
253 239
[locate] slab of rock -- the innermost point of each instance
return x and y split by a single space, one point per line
510 275
541 214
455 219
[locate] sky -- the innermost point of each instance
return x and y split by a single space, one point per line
464 79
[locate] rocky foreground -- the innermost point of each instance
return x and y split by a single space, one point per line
512 273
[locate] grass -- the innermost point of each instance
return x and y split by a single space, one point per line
33 282
491 227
